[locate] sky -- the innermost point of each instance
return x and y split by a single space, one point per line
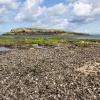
69 15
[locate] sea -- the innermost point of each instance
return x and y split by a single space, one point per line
96 37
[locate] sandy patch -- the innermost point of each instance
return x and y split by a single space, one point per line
90 67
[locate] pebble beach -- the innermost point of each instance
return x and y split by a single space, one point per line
51 73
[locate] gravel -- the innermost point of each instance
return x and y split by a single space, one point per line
51 73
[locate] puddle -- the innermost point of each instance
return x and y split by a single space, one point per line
37 46
5 49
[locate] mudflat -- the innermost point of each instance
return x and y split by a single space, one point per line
51 73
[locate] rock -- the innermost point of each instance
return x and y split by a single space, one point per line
33 31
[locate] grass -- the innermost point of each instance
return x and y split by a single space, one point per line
42 41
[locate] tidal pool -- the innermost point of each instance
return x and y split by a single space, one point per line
5 49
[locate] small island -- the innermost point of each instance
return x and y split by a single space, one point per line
36 31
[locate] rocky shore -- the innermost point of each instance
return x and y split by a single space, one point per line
51 73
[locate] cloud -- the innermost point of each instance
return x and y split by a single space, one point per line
49 17
67 16
6 9
3 10
30 10
82 12
82 9
10 4
88 8
30 3
58 9
62 16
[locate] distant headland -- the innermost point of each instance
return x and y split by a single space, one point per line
37 31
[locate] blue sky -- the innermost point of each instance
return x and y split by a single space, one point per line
69 15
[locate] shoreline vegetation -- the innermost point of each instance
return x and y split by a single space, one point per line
29 42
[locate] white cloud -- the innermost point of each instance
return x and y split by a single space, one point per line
3 10
61 24
28 15
96 11
30 10
58 9
48 17
60 15
11 4
6 9
82 9
31 3
87 7
67 16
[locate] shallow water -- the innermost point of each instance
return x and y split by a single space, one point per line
54 36
5 49
97 37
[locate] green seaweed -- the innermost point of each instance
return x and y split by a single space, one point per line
42 41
